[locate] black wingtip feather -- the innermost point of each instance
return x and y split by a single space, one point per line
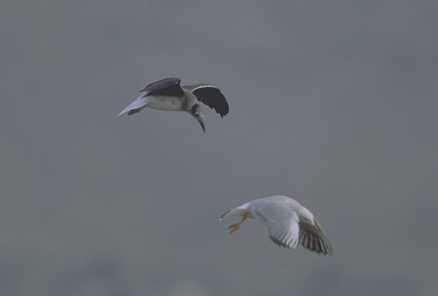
213 98
315 242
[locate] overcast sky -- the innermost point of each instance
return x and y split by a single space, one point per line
333 102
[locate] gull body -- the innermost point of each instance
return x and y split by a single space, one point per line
168 95
288 223
165 103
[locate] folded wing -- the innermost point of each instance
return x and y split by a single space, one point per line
164 87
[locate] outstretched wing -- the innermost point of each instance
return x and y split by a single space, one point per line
313 238
164 87
282 225
211 96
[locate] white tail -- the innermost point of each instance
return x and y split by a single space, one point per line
138 104
234 212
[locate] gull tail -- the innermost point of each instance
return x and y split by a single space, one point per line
136 106
222 217
234 212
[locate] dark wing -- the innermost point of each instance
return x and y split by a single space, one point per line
164 87
313 239
210 96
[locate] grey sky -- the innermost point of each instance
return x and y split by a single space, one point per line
331 101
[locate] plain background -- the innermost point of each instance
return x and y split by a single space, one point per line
333 102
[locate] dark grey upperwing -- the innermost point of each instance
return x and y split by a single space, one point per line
210 96
164 87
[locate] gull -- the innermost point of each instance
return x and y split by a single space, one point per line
168 95
288 223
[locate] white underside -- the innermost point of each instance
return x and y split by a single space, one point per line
165 103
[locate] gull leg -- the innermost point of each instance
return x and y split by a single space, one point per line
234 227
